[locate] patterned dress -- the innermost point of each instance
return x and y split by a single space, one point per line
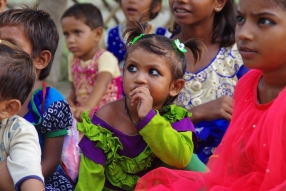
54 122
214 81
84 78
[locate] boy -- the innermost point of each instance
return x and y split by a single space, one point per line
20 151
36 33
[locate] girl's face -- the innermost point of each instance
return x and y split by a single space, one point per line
143 68
190 12
132 9
260 34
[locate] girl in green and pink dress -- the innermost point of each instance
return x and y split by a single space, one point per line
129 137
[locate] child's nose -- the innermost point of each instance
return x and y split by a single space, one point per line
141 78
70 39
244 32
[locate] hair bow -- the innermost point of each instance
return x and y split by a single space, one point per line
180 45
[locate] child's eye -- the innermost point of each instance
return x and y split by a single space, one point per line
240 19
266 22
66 35
154 72
77 32
131 68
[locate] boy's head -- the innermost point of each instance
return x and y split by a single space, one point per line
17 77
83 27
37 34
134 9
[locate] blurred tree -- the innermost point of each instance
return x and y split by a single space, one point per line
56 9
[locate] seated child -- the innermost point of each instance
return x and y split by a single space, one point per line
251 155
20 149
129 137
113 39
45 108
94 72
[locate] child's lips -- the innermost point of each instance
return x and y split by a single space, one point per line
246 52
73 49
181 12
131 11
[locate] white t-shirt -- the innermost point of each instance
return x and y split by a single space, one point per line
19 145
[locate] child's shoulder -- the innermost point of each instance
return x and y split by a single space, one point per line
112 111
106 55
19 125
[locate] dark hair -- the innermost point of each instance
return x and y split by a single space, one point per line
38 27
153 3
224 25
17 73
164 47
87 13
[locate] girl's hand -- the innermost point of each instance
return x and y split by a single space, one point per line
78 112
218 108
143 99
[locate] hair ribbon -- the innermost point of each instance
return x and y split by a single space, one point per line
136 39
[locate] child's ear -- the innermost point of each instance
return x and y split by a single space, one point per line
176 87
219 4
98 31
42 60
9 108
157 7
2 5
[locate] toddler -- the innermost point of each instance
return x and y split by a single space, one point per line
94 72
131 136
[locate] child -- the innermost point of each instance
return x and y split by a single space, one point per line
251 155
210 83
128 137
94 72
20 149
45 108
113 39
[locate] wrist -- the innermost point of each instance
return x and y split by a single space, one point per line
197 116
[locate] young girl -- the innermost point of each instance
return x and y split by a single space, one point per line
94 72
210 83
45 107
128 137
252 155
114 41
